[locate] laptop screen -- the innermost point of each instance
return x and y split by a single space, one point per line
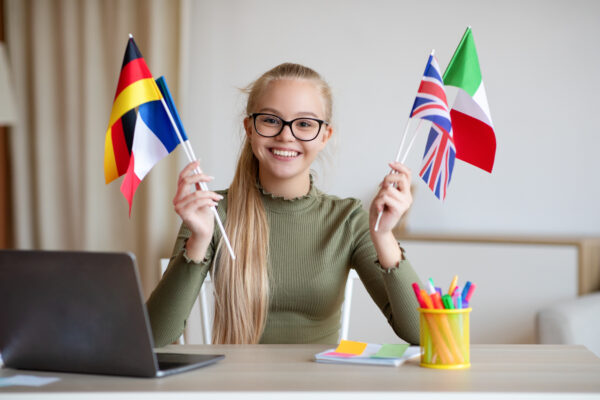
74 311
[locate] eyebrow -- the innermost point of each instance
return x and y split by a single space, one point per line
300 114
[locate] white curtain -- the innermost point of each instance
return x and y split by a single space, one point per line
66 56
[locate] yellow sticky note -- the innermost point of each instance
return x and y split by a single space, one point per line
350 347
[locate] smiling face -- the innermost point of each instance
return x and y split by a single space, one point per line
283 159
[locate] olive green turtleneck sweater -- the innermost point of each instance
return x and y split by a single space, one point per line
314 241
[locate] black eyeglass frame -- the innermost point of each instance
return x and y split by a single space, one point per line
288 123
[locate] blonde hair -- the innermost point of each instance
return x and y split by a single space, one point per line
242 285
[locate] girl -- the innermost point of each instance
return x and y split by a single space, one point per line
294 244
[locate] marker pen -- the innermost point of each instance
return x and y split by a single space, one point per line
453 285
465 290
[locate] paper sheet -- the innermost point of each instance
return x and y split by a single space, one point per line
391 351
26 380
350 347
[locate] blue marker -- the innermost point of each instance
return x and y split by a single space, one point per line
458 297
465 291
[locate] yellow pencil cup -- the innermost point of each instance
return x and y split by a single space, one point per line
445 338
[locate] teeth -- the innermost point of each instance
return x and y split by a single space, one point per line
284 153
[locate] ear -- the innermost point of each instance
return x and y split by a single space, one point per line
327 133
248 126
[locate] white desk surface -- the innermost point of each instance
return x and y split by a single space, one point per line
286 372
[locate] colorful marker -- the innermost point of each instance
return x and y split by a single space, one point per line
437 301
466 290
426 299
417 291
453 285
470 293
458 297
447 300
431 282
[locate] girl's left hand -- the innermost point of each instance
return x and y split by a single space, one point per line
394 198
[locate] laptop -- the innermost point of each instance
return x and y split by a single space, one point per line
82 312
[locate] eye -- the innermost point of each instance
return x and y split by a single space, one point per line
305 124
269 120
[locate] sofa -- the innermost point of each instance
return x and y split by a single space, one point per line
575 321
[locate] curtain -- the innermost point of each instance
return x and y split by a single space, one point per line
66 57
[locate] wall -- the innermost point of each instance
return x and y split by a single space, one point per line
539 61
533 276
529 277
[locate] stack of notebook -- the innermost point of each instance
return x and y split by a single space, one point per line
350 352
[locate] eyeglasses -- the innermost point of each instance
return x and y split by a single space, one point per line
304 129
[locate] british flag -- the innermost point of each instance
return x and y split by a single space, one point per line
438 161
440 152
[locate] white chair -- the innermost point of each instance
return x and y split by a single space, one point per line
202 307
352 277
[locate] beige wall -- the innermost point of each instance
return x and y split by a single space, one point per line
539 61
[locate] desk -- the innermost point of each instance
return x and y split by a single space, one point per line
286 372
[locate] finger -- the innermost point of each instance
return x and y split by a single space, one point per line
186 197
393 179
393 199
400 168
189 207
403 184
189 169
379 202
400 181
394 192
186 183
195 178
401 188
201 194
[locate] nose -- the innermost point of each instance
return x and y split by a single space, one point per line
286 134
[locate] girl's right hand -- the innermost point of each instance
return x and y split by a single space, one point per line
193 206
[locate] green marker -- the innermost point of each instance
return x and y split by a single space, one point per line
447 300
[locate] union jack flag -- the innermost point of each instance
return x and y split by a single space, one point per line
440 152
438 161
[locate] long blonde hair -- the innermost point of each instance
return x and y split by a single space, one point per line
242 285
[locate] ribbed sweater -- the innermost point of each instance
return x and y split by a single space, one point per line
314 241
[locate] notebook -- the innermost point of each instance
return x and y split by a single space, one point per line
80 312
351 352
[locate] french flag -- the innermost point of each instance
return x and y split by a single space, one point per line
154 138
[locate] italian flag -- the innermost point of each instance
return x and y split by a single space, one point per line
471 121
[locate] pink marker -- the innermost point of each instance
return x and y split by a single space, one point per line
470 293
417 291
457 297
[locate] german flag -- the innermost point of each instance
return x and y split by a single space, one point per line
136 86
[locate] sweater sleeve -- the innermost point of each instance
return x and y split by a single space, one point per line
172 300
389 288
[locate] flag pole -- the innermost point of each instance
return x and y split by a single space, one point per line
187 147
400 152
191 157
398 158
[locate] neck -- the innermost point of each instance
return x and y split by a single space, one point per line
288 188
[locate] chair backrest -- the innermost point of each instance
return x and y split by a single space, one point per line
346 307
202 307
